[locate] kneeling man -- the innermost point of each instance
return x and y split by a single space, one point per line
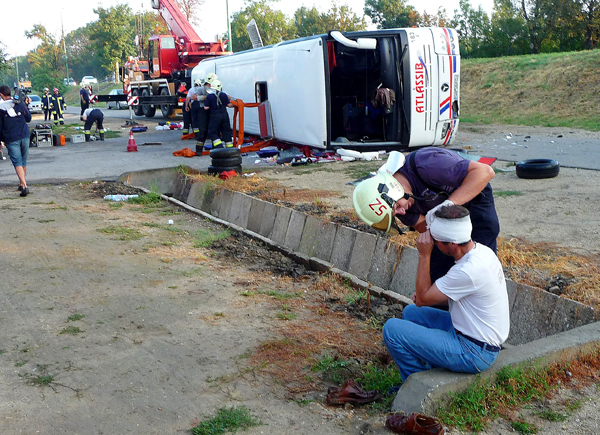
467 338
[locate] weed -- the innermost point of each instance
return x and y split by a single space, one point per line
227 420
551 415
45 221
124 233
354 296
573 405
523 427
507 193
277 295
2 351
286 315
203 238
170 228
21 363
42 380
71 330
151 197
75 317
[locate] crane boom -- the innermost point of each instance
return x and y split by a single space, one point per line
177 22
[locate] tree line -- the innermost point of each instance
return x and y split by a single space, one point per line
514 27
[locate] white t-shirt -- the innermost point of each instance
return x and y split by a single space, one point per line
197 90
478 300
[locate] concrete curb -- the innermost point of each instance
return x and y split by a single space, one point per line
552 327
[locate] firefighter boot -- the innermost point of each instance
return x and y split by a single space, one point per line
102 136
199 147
87 137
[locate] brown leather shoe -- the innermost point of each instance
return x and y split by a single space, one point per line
350 393
414 424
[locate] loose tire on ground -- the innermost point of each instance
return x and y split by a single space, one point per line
224 153
221 163
212 170
538 168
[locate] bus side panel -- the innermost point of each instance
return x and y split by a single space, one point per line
446 45
423 85
298 93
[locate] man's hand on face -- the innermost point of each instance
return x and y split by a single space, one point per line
425 243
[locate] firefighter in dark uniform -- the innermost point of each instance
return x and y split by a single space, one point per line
47 104
58 107
90 116
182 92
219 127
84 97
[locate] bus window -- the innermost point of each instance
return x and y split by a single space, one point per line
260 92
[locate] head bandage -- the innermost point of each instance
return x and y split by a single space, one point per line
451 230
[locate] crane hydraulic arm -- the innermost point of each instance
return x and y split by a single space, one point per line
178 24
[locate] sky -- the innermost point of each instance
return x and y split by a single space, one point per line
69 15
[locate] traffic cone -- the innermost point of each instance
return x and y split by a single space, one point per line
131 146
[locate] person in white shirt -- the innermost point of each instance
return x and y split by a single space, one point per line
467 337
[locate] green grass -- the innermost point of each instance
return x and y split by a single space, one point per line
204 238
354 296
75 317
550 415
227 420
151 197
523 427
479 403
502 193
332 368
380 378
71 330
124 233
42 380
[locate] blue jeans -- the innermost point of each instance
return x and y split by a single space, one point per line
18 152
424 339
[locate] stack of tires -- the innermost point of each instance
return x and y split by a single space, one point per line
224 160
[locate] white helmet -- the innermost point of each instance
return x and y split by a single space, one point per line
216 85
198 82
374 200
211 77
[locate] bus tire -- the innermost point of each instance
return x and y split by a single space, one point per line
224 163
538 168
213 170
224 153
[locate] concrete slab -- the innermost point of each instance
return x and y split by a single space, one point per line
225 199
161 180
195 196
310 235
280 226
343 244
295 229
405 277
255 216
362 251
317 238
268 219
240 209
386 257
426 391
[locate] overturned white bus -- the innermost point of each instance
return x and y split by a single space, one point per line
384 89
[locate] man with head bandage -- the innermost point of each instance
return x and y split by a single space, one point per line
467 337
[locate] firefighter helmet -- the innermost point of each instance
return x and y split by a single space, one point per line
374 200
55 90
198 82
211 77
46 89
216 85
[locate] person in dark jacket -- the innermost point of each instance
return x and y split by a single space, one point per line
47 104
84 97
14 132
90 116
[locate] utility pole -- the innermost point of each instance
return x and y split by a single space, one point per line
65 48
230 43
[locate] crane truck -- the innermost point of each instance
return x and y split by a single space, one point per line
168 65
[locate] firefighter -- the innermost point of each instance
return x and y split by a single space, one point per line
195 101
58 107
90 116
187 115
219 127
47 104
84 100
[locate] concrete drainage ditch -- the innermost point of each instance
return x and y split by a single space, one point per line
544 326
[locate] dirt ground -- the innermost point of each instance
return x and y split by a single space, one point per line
115 321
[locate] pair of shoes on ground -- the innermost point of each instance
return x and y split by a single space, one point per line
24 191
414 423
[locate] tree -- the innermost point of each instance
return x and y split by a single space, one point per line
113 35
190 8
440 19
272 25
508 33
390 14
308 22
4 66
47 60
473 26
591 18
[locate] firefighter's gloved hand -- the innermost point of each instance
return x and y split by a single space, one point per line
429 217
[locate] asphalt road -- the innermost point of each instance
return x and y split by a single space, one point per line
109 159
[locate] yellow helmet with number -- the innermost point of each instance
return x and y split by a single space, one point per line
374 200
